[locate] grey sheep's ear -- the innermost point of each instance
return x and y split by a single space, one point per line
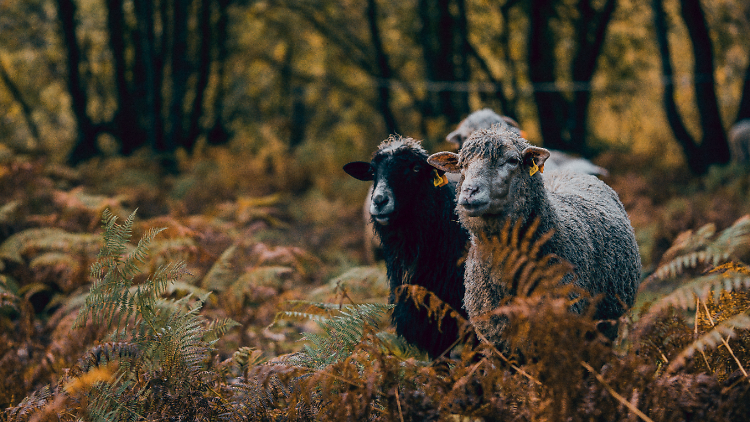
445 161
360 170
454 138
536 155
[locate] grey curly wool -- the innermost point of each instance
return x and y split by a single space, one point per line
591 228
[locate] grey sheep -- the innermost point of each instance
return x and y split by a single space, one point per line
739 141
499 183
484 118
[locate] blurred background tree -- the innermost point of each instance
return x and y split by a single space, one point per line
162 57
713 147
331 78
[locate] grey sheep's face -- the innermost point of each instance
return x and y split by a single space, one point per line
485 185
496 166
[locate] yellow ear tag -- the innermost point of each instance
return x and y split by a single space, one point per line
535 169
439 181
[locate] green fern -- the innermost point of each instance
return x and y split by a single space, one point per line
107 405
342 329
167 338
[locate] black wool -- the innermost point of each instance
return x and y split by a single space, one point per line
423 242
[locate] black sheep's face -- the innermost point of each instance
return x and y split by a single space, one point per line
402 180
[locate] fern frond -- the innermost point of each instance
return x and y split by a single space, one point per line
701 287
138 255
301 315
341 332
217 328
711 340
30 404
105 353
690 250
109 401
220 276
397 346
36 240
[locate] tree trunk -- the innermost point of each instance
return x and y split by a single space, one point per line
591 29
180 73
85 146
445 51
218 133
714 146
204 69
713 149
125 122
743 112
18 97
551 105
146 82
384 70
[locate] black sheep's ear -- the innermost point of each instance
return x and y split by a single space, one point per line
359 170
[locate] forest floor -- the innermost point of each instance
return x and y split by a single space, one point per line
258 237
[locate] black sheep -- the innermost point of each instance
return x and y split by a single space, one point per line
413 213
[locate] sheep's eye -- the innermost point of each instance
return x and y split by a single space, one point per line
416 169
512 160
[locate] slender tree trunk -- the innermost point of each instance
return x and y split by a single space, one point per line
384 70
180 74
670 107
85 146
125 125
218 133
204 69
591 30
714 146
743 112
147 85
713 149
445 55
18 97
551 105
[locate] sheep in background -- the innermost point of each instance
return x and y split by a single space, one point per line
500 182
739 141
413 212
485 118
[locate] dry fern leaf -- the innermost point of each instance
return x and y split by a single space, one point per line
423 298
31 241
711 340
701 287
690 250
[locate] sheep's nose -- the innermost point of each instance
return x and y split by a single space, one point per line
469 190
380 200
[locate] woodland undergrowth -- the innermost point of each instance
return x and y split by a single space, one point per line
201 320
